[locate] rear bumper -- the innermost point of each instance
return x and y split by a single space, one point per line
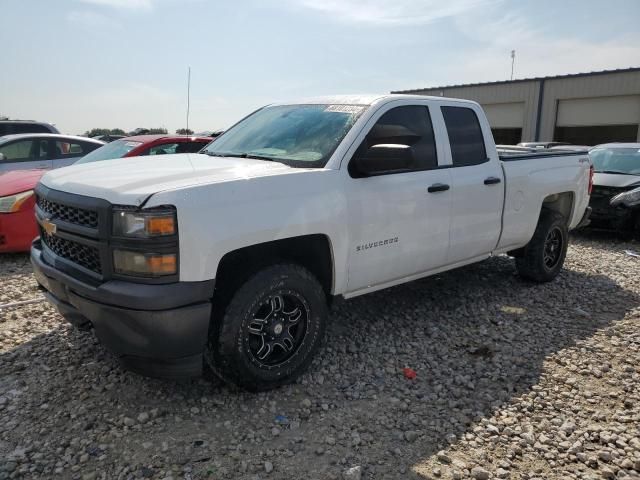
156 330
586 218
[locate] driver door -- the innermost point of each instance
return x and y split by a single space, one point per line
399 218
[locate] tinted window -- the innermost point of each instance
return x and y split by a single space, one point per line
69 149
25 150
164 149
190 147
30 128
410 125
465 136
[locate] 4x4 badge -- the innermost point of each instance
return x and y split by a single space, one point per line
48 226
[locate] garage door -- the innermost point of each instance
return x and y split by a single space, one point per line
583 112
591 121
506 121
505 115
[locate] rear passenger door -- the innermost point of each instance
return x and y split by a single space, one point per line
477 186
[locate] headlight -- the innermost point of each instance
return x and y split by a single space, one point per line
144 223
12 203
126 262
629 199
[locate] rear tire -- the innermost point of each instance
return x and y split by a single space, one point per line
544 255
270 330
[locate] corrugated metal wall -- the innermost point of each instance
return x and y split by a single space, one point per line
605 85
526 92
554 90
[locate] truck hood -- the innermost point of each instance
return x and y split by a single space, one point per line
615 180
130 181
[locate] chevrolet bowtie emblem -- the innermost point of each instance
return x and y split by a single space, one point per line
48 226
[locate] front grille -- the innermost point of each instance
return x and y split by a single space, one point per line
601 196
66 213
84 255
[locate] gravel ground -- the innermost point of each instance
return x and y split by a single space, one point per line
514 380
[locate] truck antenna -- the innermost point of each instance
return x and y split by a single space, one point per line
188 94
513 60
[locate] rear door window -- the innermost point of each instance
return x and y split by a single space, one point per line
69 149
465 136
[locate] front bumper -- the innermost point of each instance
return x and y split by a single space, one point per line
157 330
17 231
614 218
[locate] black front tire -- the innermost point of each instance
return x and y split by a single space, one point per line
543 257
254 314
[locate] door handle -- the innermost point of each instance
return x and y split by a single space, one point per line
438 187
491 180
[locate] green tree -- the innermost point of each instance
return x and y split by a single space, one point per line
184 131
155 131
94 132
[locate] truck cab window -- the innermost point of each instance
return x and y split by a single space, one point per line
409 125
465 136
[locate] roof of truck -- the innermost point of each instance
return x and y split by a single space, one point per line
361 99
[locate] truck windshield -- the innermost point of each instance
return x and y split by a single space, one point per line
303 136
117 149
616 160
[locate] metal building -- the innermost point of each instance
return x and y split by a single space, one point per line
583 109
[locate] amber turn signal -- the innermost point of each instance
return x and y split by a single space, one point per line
126 262
160 226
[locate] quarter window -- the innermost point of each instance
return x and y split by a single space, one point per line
465 136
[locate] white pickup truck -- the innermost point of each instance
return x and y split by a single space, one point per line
231 257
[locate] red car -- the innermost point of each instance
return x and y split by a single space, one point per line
140 145
17 220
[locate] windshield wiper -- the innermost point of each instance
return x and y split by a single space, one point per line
614 172
242 155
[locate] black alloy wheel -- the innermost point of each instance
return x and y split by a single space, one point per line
268 332
553 248
278 326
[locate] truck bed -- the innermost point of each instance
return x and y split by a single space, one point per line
510 156
528 184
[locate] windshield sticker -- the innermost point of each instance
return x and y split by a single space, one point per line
352 109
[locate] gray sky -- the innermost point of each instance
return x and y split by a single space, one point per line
123 63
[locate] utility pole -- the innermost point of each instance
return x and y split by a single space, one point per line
188 94
513 60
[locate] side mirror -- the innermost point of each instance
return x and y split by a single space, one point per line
383 158
2 157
